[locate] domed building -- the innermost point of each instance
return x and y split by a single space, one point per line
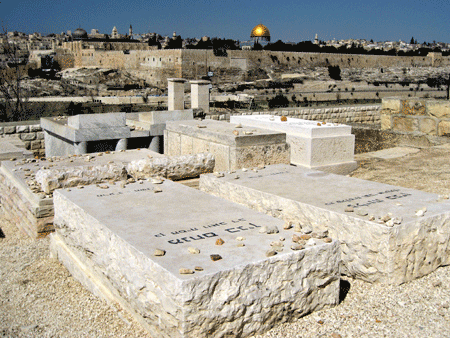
79 34
260 33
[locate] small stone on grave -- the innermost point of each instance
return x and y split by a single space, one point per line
215 257
271 253
220 241
184 271
193 251
159 252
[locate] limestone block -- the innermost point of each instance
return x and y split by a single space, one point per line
35 145
391 105
66 177
22 129
439 109
96 121
372 249
428 126
404 124
107 240
413 107
40 135
35 128
28 136
385 121
172 167
9 129
444 128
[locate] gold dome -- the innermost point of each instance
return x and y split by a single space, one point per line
260 31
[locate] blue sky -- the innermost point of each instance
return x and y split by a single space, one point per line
287 20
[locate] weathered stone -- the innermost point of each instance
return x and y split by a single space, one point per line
159 252
428 126
64 177
370 251
404 124
22 129
385 121
444 128
172 167
439 109
113 245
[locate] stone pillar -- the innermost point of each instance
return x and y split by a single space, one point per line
80 148
122 144
200 95
155 144
176 94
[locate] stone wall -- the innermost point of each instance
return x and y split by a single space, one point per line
157 65
416 116
30 133
369 114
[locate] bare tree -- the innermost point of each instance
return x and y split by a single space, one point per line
12 74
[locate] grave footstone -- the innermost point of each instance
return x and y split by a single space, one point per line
315 145
389 234
187 264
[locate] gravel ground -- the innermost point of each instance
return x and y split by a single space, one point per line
38 297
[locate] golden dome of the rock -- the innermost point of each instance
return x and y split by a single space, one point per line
260 32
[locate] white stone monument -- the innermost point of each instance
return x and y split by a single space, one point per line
232 147
388 234
200 95
315 145
188 264
175 93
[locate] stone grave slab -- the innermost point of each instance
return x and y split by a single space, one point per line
383 240
315 145
188 264
9 150
27 185
71 135
232 147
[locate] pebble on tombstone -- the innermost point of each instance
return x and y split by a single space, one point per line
155 180
219 175
198 268
270 253
327 240
235 132
220 241
277 243
215 257
201 126
157 190
184 271
271 229
287 225
296 247
194 251
349 209
283 119
238 126
248 133
240 238
159 252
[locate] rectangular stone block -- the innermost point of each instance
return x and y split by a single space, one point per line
26 184
35 128
158 117
28 136
385 121
404 124
444 128
22 129
200 270
9 150
313 144
428 126
391 104
413 106
9 129
439 109
93 121
395 246
245 147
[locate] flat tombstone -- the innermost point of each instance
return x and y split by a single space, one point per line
314 145
93 121
232 147
392 250
159 256
9 150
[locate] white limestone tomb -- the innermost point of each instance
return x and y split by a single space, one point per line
315 145
388 234
188 264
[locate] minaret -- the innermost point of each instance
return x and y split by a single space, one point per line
130 31
114 33
316 40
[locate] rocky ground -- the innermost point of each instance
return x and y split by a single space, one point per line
39 298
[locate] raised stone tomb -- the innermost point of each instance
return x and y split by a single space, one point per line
315 145
232 147
27 185
188 264
385 233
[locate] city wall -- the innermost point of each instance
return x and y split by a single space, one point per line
157 65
